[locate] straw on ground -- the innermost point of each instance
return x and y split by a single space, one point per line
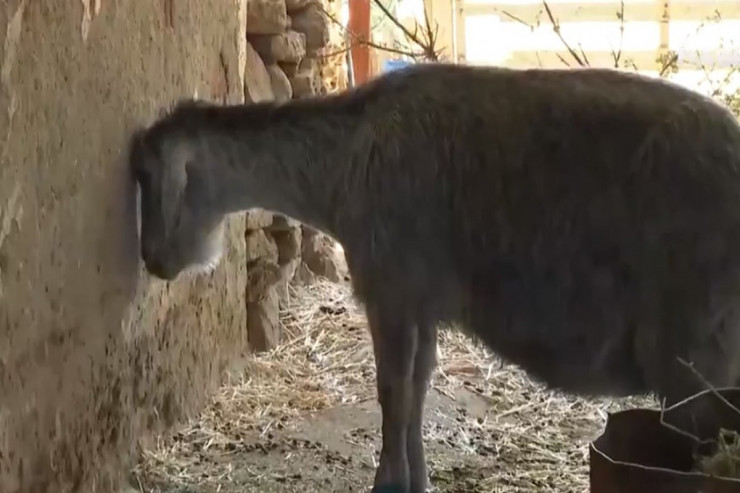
523 437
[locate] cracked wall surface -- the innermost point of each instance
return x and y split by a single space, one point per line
93 353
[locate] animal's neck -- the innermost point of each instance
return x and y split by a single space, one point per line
290 159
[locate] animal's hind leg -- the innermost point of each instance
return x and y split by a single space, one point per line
424 363
394 343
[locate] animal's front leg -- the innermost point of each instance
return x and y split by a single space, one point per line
424 363
394 344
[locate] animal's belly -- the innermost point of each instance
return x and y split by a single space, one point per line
573 336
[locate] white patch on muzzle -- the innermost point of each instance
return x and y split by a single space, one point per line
215 249
207 267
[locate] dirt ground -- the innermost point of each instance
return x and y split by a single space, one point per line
304 419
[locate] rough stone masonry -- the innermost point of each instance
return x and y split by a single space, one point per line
284 61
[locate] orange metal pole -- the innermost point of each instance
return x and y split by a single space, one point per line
359 24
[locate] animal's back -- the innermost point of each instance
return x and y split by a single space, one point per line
589 220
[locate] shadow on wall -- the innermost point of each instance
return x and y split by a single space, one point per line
93 354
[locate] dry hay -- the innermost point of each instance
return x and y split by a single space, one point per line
725 461
524 439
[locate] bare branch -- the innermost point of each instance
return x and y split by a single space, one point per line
668 63
517 19
556 30
620 15
583 54
565 62
678 430
429 50
338 52
359 40
531 28
708 385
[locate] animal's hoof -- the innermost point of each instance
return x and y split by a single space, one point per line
388 488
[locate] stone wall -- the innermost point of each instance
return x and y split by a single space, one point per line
273 254
296 49
287 47
284 38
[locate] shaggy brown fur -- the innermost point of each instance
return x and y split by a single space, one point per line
584 224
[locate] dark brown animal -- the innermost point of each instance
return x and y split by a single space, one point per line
584 224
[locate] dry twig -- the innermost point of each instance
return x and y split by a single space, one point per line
424 38
725 459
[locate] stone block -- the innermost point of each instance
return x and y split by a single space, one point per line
263 323
258 219
260 246
281 87
288 244
257 84
294 5
266 17
306 83
314 23
262 275
320 255
282 223
289 46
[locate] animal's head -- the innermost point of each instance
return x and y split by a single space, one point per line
181 226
